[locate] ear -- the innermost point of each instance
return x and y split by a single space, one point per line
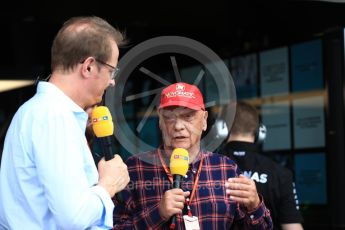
87 66
159 120
160 124
204 125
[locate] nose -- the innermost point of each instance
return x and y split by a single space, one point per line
179 124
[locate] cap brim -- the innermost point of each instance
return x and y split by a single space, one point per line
181 104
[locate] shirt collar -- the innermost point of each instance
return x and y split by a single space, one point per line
242 146
53 90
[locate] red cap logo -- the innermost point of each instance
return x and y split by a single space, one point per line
182 94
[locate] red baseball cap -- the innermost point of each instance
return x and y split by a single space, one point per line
182 94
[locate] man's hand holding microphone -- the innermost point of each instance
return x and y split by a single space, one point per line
113 173
174 199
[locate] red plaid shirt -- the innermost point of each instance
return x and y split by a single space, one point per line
138 208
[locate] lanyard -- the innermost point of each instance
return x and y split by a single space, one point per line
196 180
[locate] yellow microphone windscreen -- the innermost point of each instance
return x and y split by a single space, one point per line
102 121
179 161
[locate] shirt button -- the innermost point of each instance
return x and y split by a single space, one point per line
194 171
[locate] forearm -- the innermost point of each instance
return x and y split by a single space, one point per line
94 208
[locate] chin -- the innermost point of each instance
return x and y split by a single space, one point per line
181 145
98 101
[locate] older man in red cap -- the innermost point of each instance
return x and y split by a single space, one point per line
213 194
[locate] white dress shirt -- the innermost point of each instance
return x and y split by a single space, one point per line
48 177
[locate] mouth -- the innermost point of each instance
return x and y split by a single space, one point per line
179 138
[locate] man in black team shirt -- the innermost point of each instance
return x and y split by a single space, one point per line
273 181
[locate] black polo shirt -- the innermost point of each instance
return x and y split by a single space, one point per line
273 181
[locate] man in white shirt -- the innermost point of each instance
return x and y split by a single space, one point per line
48 179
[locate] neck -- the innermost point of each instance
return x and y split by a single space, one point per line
244 138
193 156
70 85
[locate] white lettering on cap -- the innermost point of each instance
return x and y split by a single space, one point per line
180 94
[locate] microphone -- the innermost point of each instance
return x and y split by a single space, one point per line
179 161
103 127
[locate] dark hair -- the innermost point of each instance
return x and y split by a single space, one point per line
246 119
83 37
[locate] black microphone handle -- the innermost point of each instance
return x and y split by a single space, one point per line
106 143
176 184
177 181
